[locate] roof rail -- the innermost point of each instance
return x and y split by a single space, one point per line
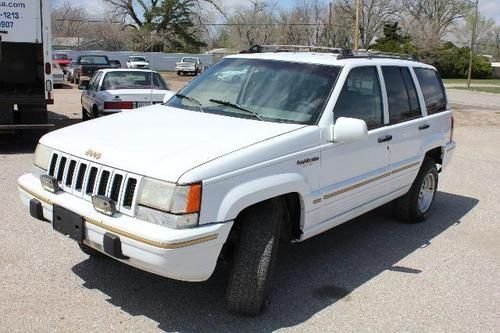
380 55
297 48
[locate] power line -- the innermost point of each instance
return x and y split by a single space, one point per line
212 24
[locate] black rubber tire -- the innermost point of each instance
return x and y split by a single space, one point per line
85 116
406 207
95 112
90 251
254 257
178 73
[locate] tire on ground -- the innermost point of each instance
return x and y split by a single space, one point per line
85 116
254 257
407 207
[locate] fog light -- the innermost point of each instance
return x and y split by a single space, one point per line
104 205
49 183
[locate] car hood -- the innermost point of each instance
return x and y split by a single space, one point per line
163 142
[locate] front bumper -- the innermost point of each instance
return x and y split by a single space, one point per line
182 254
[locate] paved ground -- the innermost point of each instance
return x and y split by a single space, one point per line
370 274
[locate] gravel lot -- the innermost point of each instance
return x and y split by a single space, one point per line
370 274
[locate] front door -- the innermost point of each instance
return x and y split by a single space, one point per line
355 174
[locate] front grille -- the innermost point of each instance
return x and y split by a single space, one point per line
85 179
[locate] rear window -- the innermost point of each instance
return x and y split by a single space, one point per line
133 80
94 60
433 90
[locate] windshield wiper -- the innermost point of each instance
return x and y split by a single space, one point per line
192 100
236 106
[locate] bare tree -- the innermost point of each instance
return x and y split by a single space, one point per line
69 20
428 21
254 25
305 23
374 14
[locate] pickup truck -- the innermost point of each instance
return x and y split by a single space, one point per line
87 65
294 144
191 65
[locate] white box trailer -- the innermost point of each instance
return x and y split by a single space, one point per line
25 64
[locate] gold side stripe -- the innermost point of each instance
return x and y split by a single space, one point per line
38 196
151 242
129 235
366 182
316 201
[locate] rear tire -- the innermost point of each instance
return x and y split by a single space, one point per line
254 257
415 205
90 251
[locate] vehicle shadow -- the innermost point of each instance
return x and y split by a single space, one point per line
25 141
309 276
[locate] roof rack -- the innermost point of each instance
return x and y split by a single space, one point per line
297 48
379 55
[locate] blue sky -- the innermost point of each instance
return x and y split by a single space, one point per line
489 8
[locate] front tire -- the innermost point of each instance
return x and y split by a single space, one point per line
254 257
415 205
85 116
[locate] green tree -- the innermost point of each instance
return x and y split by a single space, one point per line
172 25
394 41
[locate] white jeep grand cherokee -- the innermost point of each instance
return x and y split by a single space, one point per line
293 145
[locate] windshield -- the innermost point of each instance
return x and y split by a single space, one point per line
138 59
132 80
94 60
275 90
60 57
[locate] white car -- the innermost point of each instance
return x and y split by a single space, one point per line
115 90
57 75
189 65
137 62
303 142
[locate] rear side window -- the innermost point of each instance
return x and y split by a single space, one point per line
361 97
433 90
401 94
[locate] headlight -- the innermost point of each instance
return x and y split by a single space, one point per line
183 202
42 156
156 194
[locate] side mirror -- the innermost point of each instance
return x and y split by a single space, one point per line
349 130
168 95
83 86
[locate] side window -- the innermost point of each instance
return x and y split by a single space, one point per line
432 89
361 97
401 94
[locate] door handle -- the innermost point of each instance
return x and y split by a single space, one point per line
385 138
422 127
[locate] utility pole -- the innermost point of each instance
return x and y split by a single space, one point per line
356 28
329 35
473 37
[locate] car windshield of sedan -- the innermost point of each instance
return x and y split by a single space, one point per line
133 80
137 59
268 90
